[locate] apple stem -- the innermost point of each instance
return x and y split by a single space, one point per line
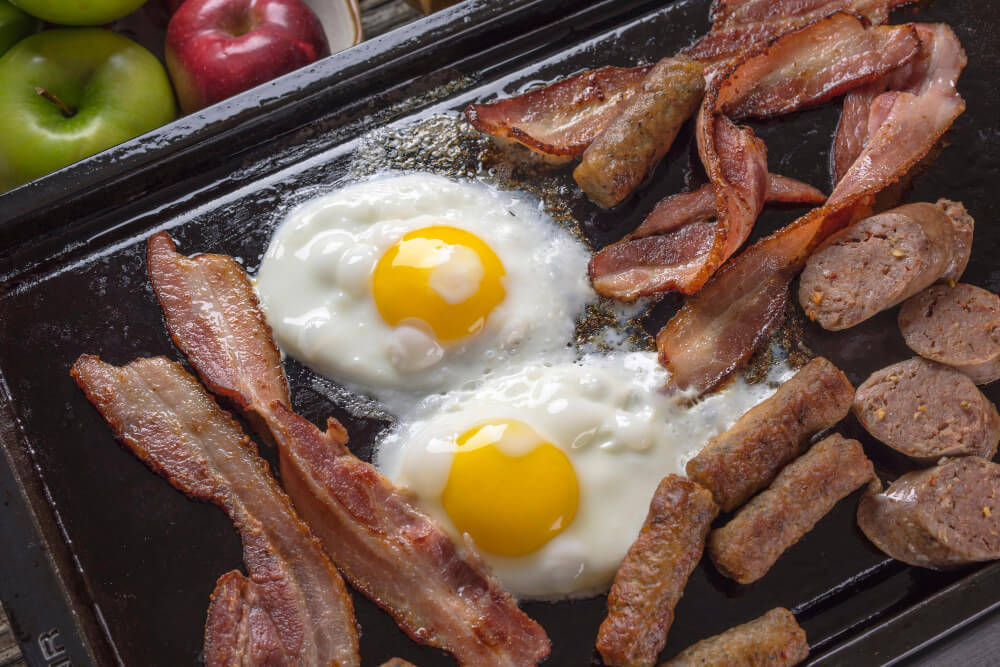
66 111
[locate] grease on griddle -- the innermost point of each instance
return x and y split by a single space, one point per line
785 344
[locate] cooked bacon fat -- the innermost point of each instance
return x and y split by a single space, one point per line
387 548
737 25
814 64
668 249
230 343
560 120
908 122
399 557
292 608
736 163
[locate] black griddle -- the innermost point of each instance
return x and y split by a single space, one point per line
105 561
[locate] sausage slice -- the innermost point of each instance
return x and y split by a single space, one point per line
883 260
656 568
958 326
743 460
938 518
775 640
927 410
802 494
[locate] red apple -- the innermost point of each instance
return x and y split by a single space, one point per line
217 48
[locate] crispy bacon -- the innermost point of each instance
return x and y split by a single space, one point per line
837 51
814 64
398 557
720 327
852 130
912 119
736 163
293 607
856 117
228 341
561 119
387 548
737 25
670 246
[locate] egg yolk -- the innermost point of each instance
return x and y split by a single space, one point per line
446 277
509 489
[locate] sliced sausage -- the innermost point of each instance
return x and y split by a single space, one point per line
621 156
958 326
775 640
656 568
883 260
927 410
939 518
802 494
736 464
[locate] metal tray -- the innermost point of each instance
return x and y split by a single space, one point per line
103 562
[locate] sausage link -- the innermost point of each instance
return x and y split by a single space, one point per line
802 494
736 464
656 568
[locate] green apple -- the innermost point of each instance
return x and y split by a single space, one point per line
68 93
15 25
79 12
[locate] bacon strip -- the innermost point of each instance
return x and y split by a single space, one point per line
852 130
719 328
293 608
814 64
912 119
669 248
386 548
736 163
228 340
737 25
561 119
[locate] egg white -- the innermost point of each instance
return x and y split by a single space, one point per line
620 432
314 283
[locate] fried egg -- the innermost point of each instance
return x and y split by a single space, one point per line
550 468
412 284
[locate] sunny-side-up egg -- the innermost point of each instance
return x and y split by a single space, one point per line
411 284
550 469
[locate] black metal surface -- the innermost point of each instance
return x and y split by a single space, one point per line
136 560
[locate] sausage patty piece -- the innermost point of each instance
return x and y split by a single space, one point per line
927 410
743 460
939 518
883 260
775 640
623 154
656 568
802 494
958 326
